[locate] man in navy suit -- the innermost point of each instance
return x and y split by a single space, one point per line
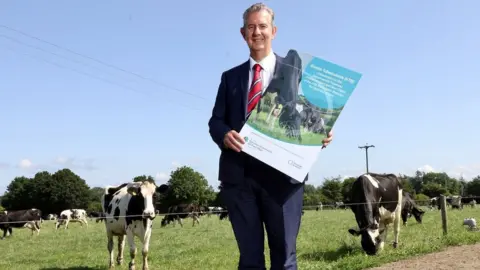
253 192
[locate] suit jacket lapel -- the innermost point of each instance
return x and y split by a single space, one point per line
244 76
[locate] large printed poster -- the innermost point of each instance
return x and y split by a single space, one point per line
297 110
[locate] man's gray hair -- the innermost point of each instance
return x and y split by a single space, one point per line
256 8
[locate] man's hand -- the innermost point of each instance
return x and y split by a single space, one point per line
233 140
327 140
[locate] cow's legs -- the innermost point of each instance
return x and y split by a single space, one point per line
180 222
66 223
37 227
133 249
121 247
404 218
383 236
195 219
110 248
4 233
396 221
85 221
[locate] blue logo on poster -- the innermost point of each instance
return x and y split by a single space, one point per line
327 85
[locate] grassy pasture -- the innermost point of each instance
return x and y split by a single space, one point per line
324 243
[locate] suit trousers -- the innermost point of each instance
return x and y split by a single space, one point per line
259 201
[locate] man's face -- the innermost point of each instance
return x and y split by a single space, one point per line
259 32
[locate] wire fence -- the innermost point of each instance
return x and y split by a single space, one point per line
220 210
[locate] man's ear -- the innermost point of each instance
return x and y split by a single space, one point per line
274 32
242 32
133 190
353 232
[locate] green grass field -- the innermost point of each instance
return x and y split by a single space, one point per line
308 138
323 243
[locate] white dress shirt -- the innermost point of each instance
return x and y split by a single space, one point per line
268 67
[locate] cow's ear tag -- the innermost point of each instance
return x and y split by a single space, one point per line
134 193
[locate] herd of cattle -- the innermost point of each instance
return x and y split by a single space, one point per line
377 200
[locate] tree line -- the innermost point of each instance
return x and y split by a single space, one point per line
53 193
422 186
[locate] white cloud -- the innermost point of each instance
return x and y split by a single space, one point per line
4 165
426 169
25 164
162 177
175 164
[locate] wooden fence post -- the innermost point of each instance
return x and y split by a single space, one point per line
443 211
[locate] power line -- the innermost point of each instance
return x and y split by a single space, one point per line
104 63
89 75
52 53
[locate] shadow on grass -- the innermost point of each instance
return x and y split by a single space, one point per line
75 268
331 255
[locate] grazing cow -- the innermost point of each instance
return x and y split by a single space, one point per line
51 217
409 207
473 203
340 205
130 210
376 201
20 219
71 215
181 211
434 202
319 207
456 202
99 216
223 215
312 120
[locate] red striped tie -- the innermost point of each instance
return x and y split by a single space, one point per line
255 90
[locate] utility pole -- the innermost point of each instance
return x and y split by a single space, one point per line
366 146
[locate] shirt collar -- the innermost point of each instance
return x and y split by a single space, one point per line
266 63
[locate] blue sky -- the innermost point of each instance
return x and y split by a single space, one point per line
416 101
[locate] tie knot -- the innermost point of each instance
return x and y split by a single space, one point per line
257 67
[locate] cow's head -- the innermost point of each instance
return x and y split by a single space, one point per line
370 238
418 214
145 191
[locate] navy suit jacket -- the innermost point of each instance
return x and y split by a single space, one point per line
229 113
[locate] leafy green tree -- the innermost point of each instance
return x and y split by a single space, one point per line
422 199
434 190
50 193
347 187
144 178
188 186
406 182
473 187
332 189
18 194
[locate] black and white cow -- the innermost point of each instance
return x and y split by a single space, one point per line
456 202
130 210
29 218
181 211
71 215
409 208
340 205
376 201
52 217
223 215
